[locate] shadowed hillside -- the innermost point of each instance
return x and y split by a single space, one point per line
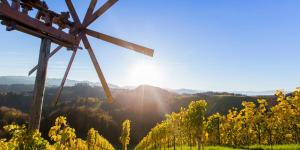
85 107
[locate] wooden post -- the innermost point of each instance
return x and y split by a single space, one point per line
39 87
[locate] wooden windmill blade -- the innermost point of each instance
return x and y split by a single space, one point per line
48 57
122 43
56 98
90 10
90 50
99 12
97 68
73 12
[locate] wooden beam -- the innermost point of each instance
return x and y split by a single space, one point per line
26 21
5 2
55 100
39 86
98 13
90 10
48 57
38 5
73 13
122 43
91 53
100 74
41 35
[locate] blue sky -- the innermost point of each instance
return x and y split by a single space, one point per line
199 44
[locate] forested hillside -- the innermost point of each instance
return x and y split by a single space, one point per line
85 107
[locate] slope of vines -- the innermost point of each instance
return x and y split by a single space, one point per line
62 137
252 125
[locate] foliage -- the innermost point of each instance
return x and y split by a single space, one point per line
10 115
253 147
61 134
254 124
97 141
21 138
82 103
213 128
125 136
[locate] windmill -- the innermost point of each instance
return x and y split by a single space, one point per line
50 27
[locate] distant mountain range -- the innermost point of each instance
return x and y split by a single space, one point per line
187 91
10 80
52 82
249 93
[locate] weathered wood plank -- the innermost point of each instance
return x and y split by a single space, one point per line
39 86
98 13
73 13
28 22
41 35
120 42
97 67
48 57
55 100
90 10
38 5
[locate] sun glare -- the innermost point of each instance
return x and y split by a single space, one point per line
145 73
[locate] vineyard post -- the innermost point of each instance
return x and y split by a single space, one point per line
39 86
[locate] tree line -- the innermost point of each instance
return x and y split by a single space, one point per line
256 123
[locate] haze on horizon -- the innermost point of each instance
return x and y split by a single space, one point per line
206 45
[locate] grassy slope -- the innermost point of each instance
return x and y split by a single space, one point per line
257 147
278 147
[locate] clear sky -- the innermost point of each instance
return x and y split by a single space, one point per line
199 44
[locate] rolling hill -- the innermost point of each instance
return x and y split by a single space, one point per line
85 106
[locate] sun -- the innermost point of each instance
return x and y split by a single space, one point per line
145 73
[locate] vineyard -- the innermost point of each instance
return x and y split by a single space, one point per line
61 134
255 124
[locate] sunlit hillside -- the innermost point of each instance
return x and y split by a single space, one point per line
149 75
84 101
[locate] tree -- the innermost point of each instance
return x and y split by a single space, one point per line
247 115
228 128
213 129
174 118
285 118
125 136
296 107
196 116
260 121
